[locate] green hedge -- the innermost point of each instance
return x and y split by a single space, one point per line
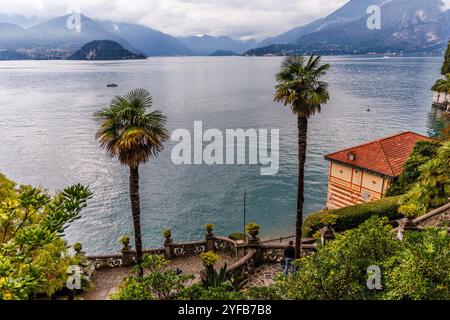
352 217
237 236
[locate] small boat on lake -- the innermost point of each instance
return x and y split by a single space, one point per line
112 85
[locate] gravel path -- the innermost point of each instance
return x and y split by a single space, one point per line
264 275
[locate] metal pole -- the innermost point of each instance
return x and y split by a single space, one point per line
245 215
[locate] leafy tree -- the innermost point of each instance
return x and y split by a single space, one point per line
338 270
299 87
446 66
415 268
33 254
421 270
433 187
423 152
133 136
7 188
442 85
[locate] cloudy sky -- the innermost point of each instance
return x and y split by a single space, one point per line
237 18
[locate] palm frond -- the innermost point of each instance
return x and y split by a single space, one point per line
299 85
127 132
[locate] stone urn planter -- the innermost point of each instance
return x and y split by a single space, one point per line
209 230
253 231
78 248
167 236
127 254
125 241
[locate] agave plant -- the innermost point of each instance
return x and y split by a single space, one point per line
215 279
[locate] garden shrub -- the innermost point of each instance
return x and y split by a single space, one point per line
352 217
159 282
237 236
416 268
198 292
33 254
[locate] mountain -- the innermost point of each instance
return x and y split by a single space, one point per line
19 20
55 34
13 36
351 11
411 26
206 44
13 55
149 41
104 50
292 35
54 39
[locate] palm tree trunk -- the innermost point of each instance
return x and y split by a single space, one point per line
136 212
302 141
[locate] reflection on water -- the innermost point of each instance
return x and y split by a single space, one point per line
47 135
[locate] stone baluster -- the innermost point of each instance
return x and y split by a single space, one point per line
209 237
405 224
127 253
326 235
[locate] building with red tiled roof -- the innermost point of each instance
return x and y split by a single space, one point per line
363 173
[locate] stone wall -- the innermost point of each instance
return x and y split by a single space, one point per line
442 100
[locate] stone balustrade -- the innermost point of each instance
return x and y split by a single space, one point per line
435 218
247 256
442 100
106 261
244 268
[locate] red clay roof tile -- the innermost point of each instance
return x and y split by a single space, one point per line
385 156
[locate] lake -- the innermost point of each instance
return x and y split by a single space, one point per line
47 137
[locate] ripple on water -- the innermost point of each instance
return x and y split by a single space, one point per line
48 137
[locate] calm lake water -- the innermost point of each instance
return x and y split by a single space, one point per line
47 136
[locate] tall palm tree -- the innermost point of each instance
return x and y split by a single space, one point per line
299 87
132 136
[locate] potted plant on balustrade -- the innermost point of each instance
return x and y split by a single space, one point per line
168 236
209 230
253 230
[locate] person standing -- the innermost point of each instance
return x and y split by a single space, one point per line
289 256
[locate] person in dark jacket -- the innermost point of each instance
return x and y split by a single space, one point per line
289 257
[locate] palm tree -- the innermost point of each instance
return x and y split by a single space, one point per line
132 136
300 88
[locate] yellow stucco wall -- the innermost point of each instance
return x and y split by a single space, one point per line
372 182
349 186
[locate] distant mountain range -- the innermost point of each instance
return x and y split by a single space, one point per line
206 45
407 26
149 41
104 50
21 38
410 26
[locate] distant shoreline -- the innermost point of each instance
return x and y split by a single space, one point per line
375 56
